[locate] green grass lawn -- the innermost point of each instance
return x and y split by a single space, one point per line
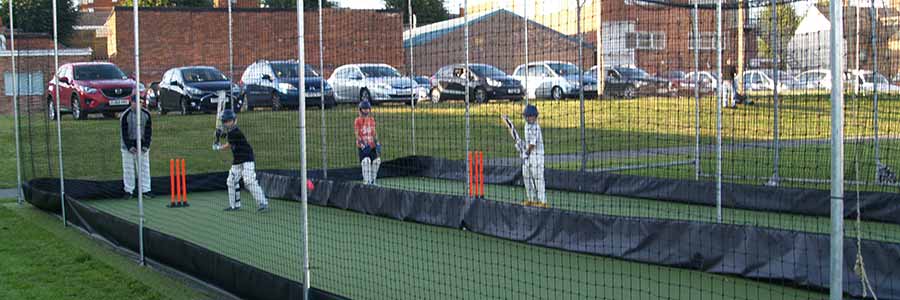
39 259
633 207
366 257
7 152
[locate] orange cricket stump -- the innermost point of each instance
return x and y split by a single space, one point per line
172 183
480 160
184 201
471 171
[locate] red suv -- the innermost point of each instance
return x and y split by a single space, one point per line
86 88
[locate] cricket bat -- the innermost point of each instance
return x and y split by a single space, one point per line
520 145
219 130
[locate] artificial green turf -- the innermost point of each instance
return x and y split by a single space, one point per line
40 259
366 257
657 209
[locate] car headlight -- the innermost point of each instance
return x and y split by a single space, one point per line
88 90
493 83
285 87
193 90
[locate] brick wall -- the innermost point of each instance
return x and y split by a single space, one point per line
498 41
174 37
27 64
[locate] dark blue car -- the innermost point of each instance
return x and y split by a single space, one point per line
275 84
196 89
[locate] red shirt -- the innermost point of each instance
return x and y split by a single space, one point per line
365 131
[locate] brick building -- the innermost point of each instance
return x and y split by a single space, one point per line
495 38
89 6
173 37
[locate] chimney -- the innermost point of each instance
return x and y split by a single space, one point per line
462 11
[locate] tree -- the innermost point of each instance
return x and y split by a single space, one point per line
426 11
307 4
787 23
37 16
170 3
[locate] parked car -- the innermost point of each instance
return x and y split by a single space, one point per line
86 88
629 82
424 87
276 84
707 82
869 81
553 80
196 89
371 82
152 95
819 79
763 80
486 82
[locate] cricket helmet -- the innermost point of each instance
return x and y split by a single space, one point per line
530 111
228 115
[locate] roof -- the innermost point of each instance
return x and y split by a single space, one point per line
365 65
813 21
425 34
92 18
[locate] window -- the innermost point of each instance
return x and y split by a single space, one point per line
707 41
30 84
536 71
646 40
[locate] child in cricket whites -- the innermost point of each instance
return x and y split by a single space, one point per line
131 155
533 154
367 143
243 166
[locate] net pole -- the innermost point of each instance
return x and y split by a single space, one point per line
776 133
15 75
696 28
230 49
856 41
837 152
62 183
413 97
720 99
601 76
322 89
581 89
304 191
873 11
525 18
468 119
138 130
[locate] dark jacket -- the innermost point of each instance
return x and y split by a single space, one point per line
127 122
240 148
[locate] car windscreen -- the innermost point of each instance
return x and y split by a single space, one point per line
202 75
98 72
487 71
875 78
564 69
379 71
288 70
633 72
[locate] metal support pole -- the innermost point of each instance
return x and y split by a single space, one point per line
139 130
856 40
873 12
20 197
62 183
601 76
720 98
776 134
581 90
468 119
696 17
322 90
525 16
412 74
837 152
304 191
230 48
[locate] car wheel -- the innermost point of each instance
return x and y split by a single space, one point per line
185 110
247 105
276 102
435 95
51 109
364 95
480 96
629 93
76 109
556 93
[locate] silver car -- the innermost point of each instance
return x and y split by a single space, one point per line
371 82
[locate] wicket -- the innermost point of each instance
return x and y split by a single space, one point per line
178 183
476 174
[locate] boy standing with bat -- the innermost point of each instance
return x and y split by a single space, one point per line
243 167
532 151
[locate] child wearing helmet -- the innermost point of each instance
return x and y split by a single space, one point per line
533 168
367 143
243 166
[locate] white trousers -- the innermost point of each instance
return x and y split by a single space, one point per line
129 170
728 94
247 171
533 175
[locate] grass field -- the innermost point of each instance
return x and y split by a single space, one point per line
39 259
365 257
